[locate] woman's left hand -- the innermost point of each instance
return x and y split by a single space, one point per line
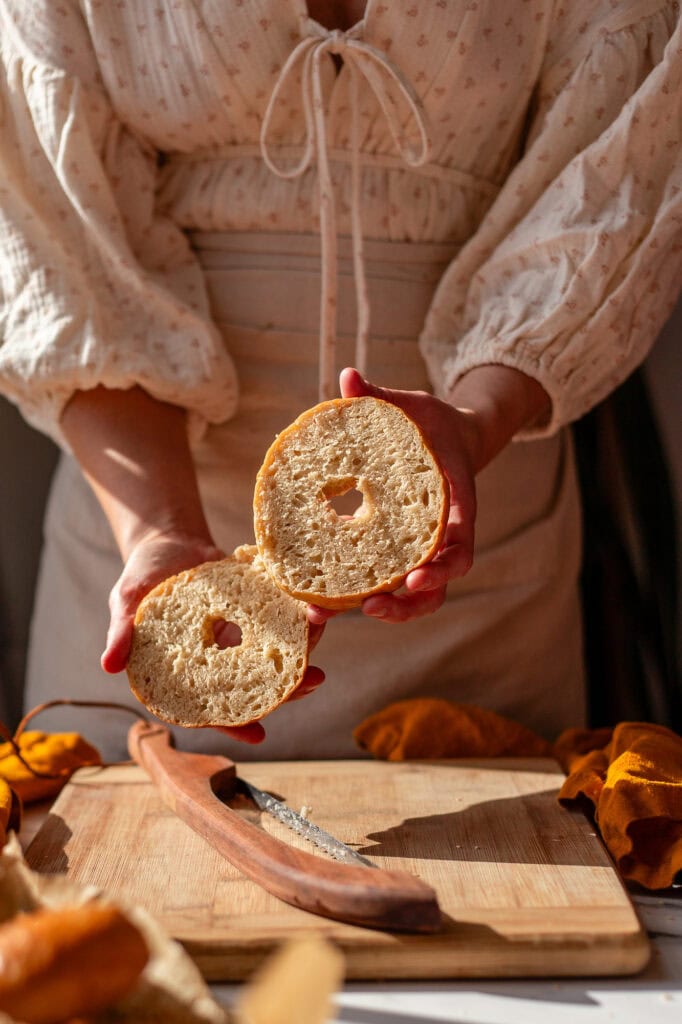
451 435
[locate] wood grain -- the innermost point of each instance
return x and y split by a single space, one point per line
190 783
526 886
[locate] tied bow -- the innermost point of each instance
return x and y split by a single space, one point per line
387 82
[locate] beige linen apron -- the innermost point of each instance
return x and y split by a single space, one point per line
508 636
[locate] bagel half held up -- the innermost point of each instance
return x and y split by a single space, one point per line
332 560
177 666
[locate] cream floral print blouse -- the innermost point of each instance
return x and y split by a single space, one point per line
543 136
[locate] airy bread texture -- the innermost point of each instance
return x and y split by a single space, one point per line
336 561
176 666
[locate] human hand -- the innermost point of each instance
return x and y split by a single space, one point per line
155 557
451 434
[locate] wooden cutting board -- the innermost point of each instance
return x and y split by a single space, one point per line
526 886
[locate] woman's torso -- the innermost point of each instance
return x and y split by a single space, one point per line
193 81
508 635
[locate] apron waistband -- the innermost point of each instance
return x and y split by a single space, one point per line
289 244
271 282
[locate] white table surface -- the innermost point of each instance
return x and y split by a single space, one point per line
652 997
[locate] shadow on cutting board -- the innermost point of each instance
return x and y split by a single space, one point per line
527 830
47 851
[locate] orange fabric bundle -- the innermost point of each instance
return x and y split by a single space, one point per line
10 810
631 775
635 786
50 754
430 728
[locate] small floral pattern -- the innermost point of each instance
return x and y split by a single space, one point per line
555 161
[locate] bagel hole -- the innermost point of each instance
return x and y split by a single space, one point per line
347 505
226 634
344 499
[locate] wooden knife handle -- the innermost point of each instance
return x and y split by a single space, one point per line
188 783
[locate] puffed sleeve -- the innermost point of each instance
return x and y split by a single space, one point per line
579 261
95 286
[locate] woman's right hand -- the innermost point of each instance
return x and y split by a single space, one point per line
135 452
155 557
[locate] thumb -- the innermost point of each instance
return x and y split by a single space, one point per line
119 641
120 634
353 385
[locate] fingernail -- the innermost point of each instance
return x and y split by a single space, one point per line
378 609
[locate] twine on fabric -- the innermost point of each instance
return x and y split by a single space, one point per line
13 740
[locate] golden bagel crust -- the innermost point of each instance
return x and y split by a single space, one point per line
179 672
68 962
364 443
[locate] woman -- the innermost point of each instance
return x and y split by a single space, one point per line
500 193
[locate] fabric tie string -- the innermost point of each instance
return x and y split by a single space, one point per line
389 85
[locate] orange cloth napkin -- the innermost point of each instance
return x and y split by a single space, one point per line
631 776
58 754
52 754
429 728
10 810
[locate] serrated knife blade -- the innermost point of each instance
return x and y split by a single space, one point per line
313 833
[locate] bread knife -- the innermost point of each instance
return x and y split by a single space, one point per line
196 787
302 827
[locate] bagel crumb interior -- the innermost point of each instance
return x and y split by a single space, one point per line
358 444
177 667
